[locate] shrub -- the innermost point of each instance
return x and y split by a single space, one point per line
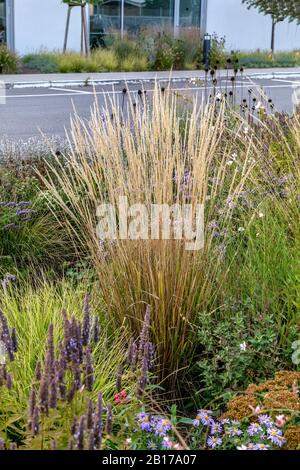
44 62
236 349
131 64
169 53
104 60
8 60
75 63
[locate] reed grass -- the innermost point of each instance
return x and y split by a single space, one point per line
136 154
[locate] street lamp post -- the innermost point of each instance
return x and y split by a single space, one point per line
122 17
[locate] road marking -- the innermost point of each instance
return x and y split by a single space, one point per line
286 81
72 91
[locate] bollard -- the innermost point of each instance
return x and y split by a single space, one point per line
206 50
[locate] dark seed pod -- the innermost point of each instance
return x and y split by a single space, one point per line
109 419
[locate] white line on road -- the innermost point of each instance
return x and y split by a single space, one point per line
72 91
286 81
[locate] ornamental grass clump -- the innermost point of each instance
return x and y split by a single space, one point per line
148 153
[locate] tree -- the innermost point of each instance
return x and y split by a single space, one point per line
279 10
84 24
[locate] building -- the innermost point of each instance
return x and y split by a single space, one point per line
31 25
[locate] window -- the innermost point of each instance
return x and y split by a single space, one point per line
2 22
140 15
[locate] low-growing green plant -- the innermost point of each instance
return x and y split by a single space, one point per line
236 349
44 62
8 60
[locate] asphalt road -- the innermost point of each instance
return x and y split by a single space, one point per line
29 112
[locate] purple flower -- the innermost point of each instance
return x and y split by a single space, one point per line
216 428
265 420
144 422
203 416
251 446
234 431
254 428
275 436
167 443
261 447
214 442
162 427
152 445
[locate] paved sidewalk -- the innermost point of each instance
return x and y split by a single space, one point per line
82 79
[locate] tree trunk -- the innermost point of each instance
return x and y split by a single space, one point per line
85 32
67 29
273 36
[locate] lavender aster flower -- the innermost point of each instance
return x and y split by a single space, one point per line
275 436
152 445
265 420
234 431
144 422
216 428
204 416
167 443
254 428
261 447
214 442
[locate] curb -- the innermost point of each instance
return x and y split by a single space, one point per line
90 82
116 81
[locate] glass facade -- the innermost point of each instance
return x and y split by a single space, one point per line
2 21
134 15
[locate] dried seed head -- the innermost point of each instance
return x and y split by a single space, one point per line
53 394
38 371
14 340
109 419
32 402
53 444
86 321
98 425
79 436
70 444
35 424
44 394
89 371
89 414
119 378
